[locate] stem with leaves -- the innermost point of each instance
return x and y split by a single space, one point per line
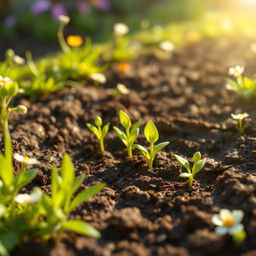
152 136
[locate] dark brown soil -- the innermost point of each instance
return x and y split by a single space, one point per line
153 212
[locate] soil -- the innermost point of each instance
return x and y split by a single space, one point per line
152 212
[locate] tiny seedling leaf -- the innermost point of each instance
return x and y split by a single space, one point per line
81 227
197 156
98 121
93 129
124 119
185 175
151 132
160 146
198 166
105 130
142 150
182 161
86 194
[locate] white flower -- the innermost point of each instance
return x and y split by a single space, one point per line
239 116
25 160
236 71
64 19
32 198
228 222
166 46
98 77
4 81
120 29
122 88
18 60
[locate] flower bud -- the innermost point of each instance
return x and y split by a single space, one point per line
22 109
64 19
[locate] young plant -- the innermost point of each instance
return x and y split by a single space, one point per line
151 134
242 85
197 166
99 131
240 117
129 136
57 207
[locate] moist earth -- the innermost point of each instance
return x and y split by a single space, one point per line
146 212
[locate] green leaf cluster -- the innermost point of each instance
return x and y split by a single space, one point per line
130 134
151 134
198 165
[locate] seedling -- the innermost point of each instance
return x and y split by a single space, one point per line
240 117
99 131
130 135
197 166
242 85
151 134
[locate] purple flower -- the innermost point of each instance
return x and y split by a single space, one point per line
82 7
57 10
10 21
40 6
103 5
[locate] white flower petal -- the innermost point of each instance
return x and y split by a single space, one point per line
216 220
238 215
221 230
235 229
18 157
225 213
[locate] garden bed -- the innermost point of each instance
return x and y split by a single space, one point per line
152 212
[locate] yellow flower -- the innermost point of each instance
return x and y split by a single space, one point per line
5 81
74 41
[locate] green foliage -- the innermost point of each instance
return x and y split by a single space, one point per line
197 166
243 86
99 131
151 134
129 136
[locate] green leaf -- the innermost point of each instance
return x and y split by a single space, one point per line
77 183
121 135
136 125
197 156
198 166
54 181
185 175
142 150
93 129
151 132
80 227
98 121
124 119
24 178
10 239
160 146
86 195
3 250
67 172
133 136
105 130
182 161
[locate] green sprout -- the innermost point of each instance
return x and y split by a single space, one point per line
62 202
99 131
152 136
131 134
197 166
242 85
240 117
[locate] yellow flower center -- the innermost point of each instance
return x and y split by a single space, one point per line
74 41
229 222
26 158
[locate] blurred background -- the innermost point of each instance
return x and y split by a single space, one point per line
33 23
